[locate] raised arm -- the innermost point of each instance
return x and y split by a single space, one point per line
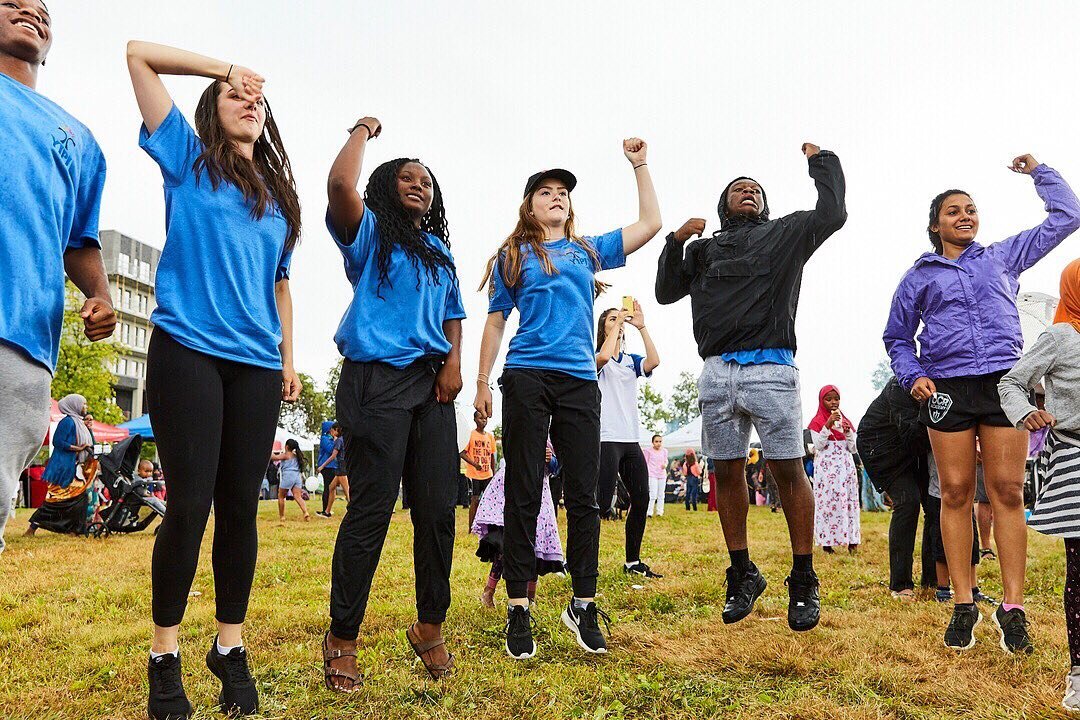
612 327
652 357
1024 249
148 61
489 350
649 222
346 207
674 273
830 213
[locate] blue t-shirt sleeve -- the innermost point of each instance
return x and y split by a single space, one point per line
500 297
362 243
609 247
174 146
84 229
283 266
638 360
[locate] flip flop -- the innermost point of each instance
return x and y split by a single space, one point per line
437 672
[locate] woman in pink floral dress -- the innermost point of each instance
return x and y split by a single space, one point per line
836 482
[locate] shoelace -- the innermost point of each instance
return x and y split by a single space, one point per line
168 676
1014 624
962 620
236 668
519 623
589 617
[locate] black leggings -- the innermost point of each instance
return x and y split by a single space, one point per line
328 475
214 423
625 460
1072 597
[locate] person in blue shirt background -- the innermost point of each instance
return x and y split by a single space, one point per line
548 272
220 359
401 340
52 178
328 462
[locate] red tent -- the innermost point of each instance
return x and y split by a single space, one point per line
102 432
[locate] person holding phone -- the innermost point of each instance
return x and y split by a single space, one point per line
620 451
744 282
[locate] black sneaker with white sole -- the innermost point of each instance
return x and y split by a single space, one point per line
168 701
585 624
960 635
743 590
804 604
1013 628
640 568
238 696
519 632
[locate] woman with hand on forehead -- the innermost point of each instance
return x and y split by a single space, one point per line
964 296
548 272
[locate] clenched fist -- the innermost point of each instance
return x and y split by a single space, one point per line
690 228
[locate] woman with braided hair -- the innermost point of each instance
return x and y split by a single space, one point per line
401 339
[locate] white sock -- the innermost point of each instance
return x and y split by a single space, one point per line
631 564
174 653
223 649
581 604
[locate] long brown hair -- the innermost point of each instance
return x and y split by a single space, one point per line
529 232
601 327
264 180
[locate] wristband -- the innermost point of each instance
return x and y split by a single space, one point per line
229 74
640 166
370 132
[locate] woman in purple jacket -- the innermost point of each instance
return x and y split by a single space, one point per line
964 295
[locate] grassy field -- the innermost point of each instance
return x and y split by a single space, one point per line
74 635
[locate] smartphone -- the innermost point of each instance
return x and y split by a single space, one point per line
628 303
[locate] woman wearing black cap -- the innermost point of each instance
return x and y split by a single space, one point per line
547 271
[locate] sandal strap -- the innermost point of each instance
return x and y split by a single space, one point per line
334 672
422 648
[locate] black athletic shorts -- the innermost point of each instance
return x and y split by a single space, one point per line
479 486
962 403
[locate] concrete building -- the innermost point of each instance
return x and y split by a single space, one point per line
131 266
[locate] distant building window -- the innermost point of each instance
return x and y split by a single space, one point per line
127 300
142 303
122 263
141 336
144 271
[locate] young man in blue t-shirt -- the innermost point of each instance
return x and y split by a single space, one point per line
51 176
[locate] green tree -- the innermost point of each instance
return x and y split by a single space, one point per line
683 403
651 408
882 374
305 416
83 367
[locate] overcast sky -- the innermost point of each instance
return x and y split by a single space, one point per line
914 97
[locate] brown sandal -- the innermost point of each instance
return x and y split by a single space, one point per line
328 655
437 672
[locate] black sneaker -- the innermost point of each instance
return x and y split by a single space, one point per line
238 694
804 606
641 568
960 635
1013 627
519 632
743 590
586 627
168 701
979 596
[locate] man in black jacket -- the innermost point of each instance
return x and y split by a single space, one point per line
744 283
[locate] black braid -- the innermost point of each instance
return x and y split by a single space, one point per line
396 228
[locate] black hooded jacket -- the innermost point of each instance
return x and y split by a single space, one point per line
744 280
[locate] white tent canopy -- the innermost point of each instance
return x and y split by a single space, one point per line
1036 314
306 444
688 436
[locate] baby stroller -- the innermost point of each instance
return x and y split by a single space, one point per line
131 506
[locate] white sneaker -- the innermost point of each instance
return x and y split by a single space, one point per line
1071 701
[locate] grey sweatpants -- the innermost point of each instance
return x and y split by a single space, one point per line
24 421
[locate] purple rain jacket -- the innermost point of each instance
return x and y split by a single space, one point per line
967 306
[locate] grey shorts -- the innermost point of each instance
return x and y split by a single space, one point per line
735 397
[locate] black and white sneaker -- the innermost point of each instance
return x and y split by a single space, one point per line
168 701
1013 628
960 635
804 604
519 632
586 626
743 590
640 568
980 597
238 695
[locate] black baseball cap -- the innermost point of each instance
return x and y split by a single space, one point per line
564 176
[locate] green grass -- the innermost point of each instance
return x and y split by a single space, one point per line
74 633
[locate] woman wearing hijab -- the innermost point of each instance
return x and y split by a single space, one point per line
67 473
836 481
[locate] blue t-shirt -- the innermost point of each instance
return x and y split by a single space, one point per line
556 327
216 277
771 356
51 181
406 322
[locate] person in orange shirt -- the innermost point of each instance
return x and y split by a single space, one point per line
479 457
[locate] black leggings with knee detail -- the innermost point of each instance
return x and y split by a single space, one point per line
214 424
628 462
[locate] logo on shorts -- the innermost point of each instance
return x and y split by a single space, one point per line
940 404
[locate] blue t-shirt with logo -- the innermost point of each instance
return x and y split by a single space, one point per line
219 266
770 356
555 331
51 181
401 320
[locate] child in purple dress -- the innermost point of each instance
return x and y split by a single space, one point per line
488 524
